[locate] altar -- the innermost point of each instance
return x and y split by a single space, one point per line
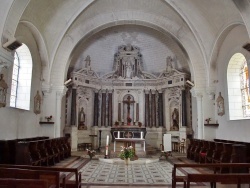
127 100
127 132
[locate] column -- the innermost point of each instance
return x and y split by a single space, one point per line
137 112
103 115
73 107
146 108
110 108
153 109
184 108
198 94
58 120
96 108
119 112
160 108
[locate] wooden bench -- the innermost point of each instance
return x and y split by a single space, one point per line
27 183
222 178
215 167
53 178
75 183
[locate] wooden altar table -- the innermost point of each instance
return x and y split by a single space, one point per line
132 140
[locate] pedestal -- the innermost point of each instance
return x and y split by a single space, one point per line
73 136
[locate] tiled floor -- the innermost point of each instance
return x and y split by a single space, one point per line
97 174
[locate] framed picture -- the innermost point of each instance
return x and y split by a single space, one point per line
37 103
220 105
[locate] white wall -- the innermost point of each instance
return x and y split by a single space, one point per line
16 123
235 129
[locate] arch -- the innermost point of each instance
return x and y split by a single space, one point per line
212 74
133 93
67 45
234 86
21 79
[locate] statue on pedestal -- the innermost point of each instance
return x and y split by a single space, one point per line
81 119
175 120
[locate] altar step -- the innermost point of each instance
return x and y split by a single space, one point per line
138 149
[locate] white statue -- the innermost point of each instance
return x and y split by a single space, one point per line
169 64
128 70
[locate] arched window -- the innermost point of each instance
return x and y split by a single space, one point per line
245 90
21 79
238 88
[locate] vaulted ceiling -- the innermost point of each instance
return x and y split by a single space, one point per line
67 31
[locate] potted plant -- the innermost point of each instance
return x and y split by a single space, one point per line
116 123
207 120
127 153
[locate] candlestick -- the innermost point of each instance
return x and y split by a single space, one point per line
141 135
107 145
118 136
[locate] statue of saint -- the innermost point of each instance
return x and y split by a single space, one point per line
175 120
81 119
128 70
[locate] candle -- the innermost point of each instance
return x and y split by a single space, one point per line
107 144
141 135
118 134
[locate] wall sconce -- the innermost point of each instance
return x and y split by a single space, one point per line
3 91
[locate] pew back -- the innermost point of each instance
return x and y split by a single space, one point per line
222 178
24 183
215 167
53 178
75 171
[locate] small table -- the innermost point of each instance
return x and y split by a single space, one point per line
133 140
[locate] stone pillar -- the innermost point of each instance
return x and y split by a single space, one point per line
110 108
184 108
160 108
146 108
119 112
137 112
58 123
73 107
153 109
96 108
198 94
103 115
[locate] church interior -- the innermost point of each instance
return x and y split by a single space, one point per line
167 81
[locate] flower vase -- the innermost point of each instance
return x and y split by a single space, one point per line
127 161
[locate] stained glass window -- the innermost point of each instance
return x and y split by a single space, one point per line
245 90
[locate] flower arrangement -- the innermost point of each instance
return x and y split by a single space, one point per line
129 119
48 118
207 120
91 153
127 152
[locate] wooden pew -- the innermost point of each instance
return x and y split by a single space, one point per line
27 183
53 178
75 183
215 167
222 178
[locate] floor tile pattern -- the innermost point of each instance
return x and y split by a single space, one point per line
158 173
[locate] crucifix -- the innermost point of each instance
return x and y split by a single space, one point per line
128 102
